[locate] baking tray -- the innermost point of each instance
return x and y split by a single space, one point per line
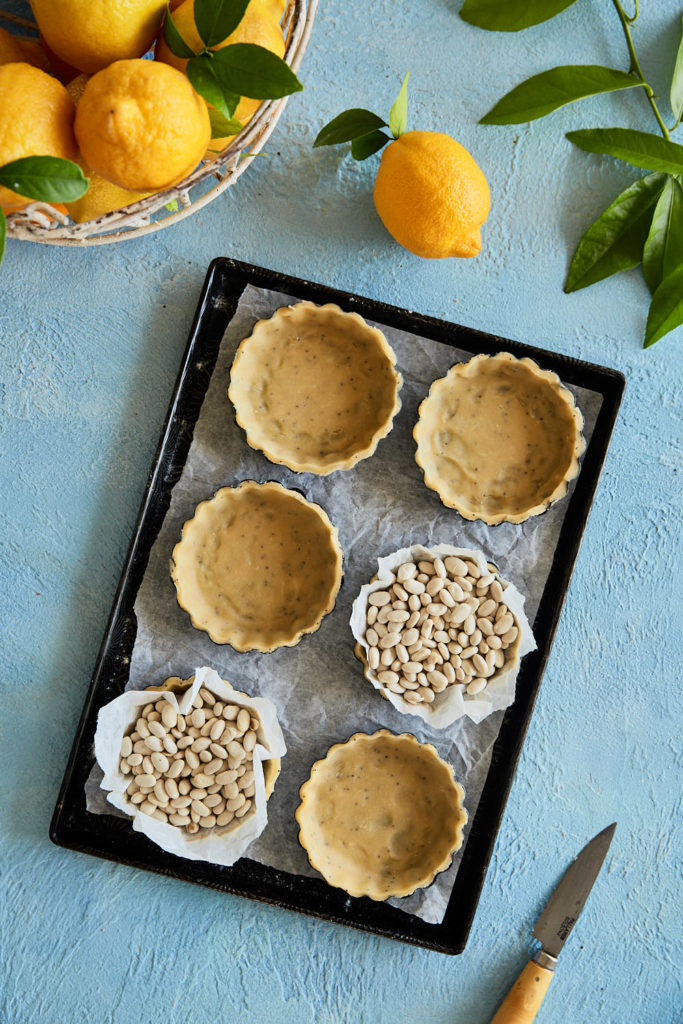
112 837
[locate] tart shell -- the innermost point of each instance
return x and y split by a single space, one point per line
257 567
381 815
499 439
315 388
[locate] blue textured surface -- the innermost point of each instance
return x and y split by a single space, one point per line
91 342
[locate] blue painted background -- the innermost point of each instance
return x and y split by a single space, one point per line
91 341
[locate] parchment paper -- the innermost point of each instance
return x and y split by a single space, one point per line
318 686
220 845
452 703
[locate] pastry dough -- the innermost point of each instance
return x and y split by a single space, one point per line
381 815
499 438
257 567
315 388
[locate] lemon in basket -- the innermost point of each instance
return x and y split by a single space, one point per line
18 49
89 36
260 25
141 125
102 196
36 119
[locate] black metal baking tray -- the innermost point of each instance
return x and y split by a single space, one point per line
112 837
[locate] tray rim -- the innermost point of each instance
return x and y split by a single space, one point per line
249 878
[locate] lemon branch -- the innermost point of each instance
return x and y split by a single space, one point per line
636 69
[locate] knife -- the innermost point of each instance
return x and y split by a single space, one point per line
556 921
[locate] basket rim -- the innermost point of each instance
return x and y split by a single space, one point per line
41 222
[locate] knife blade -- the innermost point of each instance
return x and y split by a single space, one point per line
552 929
560 913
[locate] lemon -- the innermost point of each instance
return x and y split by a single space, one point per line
260 25
102 196
141 125
36 119
17 49
431 195
90 34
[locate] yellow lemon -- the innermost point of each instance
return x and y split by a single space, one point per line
431 195
102 196
18 49
141 125
259 25
36 119
90 34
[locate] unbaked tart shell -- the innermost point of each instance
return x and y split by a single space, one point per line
315 388
257 567
381 815
499 439
271 767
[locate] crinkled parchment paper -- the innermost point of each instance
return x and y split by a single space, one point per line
318 686
452 703
220 845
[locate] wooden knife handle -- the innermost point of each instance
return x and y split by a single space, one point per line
522 1002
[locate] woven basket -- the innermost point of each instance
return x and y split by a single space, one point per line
40 222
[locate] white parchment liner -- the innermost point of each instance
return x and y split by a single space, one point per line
452 703
218 845
318 686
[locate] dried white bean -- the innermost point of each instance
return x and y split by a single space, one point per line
160 762
476 686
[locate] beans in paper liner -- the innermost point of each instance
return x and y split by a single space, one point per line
452 703
219 845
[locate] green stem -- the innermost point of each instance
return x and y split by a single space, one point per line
635 65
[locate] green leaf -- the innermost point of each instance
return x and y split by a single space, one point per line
615 240
222 126
664 246
173 38
666 308
676 92
173 206
217 19
202 73
365 145
351 124
642 149
49 179
544 93
250 70
3 234
398 115
511 15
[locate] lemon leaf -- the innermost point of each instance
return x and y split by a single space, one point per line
676 92
666 308
48 179
201 71
222 126
664 246
549 90
642 149
3 234
217 19
511 15
173 38
349 125
365 145
398 115
251 70
615 241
